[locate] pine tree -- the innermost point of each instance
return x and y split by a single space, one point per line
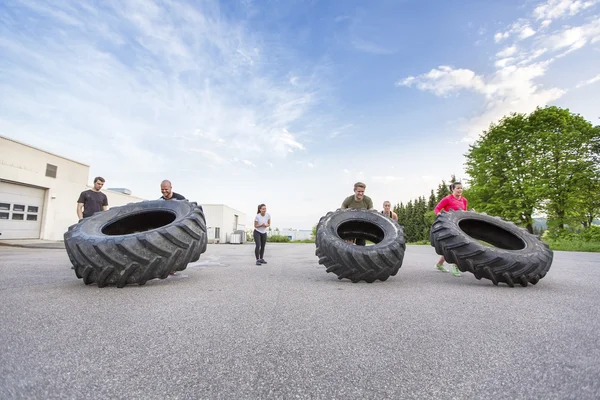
432 201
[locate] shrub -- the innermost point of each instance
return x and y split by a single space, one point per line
568 240
278 239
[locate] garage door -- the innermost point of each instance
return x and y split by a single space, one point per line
20 211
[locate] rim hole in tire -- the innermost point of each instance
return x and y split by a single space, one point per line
139 222
491 234
360 229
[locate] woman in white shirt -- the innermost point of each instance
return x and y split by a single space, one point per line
261 222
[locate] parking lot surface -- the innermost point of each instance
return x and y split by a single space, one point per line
226 328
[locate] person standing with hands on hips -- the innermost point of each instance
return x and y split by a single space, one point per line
261 222
452 202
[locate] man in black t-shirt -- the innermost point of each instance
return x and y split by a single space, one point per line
167 192
92 200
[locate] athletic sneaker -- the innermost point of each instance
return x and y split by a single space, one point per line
441 268
258 262
262 260
455 270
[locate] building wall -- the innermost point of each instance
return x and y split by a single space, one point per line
23 164
294 234
26 165
222 217
214 218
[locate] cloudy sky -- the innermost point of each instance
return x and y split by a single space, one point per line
286 102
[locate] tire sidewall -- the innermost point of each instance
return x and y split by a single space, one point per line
531 242
328 229
92 226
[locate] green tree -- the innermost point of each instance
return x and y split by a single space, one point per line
313 234
587 203
541 161
442 191
502 169
432 201
565 148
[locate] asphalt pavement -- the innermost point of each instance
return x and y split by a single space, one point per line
226 328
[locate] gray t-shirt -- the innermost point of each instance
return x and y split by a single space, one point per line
262 220
350 202
92 202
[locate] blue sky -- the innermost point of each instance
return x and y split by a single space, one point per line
286 103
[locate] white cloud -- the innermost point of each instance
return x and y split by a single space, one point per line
525 31
149 90
555 9
510 88
185 74
444 80
507 52
521 29
589 81
504 62
573 38
528 57
284 140
514 86
500 36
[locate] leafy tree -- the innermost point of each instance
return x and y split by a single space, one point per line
565 145
313 234
587 203
542 161
502 169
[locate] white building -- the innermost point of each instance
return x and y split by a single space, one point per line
222 221
39 192
294 234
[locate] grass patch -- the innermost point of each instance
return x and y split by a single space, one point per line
420 243
573 245
303 241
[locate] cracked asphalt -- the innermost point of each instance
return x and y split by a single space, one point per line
226 328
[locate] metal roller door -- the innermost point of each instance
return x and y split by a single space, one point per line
20 211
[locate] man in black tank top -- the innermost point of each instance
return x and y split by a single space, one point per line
387 210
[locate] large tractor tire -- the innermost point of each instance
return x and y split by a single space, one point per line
137 242
490 248
368 263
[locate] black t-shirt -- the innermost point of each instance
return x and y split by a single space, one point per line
92 202
176 196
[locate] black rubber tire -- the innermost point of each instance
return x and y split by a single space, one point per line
137 242
368 263
511 254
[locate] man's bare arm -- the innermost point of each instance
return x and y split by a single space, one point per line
80 210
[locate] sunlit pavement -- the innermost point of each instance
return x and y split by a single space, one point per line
227 328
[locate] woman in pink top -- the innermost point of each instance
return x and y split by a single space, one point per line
454 201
